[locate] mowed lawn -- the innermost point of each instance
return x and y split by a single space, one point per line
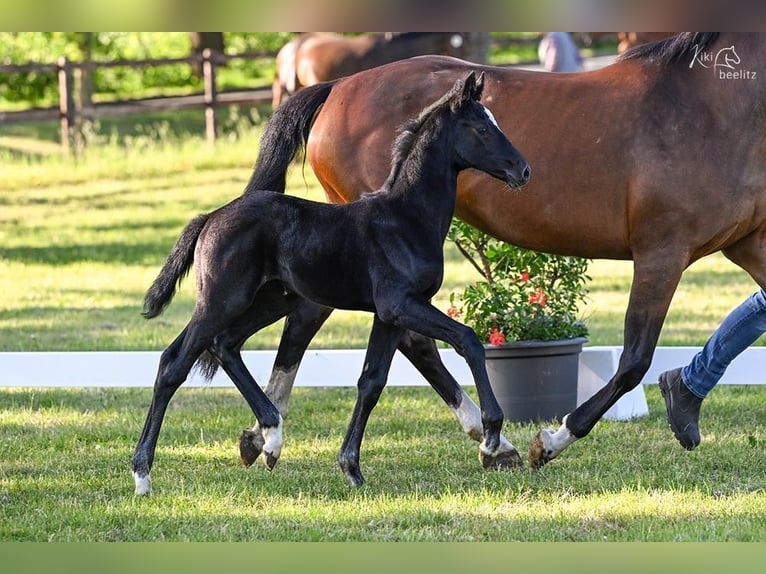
80 243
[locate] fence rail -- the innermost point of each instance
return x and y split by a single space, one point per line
68 113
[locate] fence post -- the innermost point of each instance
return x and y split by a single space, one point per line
208 74
66 102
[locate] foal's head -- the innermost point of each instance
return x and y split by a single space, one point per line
475 140
480 143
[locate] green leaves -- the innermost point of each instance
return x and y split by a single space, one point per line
526 295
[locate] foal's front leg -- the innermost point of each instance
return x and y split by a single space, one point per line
381 347
424 318
424 355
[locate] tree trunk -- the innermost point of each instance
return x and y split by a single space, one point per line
477 47
201 41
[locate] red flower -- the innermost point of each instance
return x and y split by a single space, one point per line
453 312
538 297
524 277
496 338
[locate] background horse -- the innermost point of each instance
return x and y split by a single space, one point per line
311 58
654 158
258 256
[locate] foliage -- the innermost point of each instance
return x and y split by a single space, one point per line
41 89
524 295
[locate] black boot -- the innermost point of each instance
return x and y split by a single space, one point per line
683 408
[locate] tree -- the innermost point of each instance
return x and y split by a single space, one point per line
201 41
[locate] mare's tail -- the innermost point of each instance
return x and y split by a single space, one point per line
286 132
176 267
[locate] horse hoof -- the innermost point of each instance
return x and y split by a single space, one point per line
355 478
250 445
143 484
506 460
539 454
352 472
270 460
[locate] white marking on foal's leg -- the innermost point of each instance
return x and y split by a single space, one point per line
143 484
272 444
280 386
469 416
554 442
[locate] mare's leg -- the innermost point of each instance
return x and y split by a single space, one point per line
427 320
301 325
175 363
384 339
655 278
424 355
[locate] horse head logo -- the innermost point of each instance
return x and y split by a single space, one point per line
727 58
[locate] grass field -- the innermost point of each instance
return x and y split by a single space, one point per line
65 474
79 244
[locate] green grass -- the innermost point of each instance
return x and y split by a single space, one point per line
65 474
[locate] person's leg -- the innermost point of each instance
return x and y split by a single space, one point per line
740 329
684 388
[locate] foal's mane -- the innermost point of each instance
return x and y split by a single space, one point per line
409 131
679 48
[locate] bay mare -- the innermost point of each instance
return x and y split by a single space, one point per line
659 158
313 57
259 256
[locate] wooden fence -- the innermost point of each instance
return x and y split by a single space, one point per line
68 113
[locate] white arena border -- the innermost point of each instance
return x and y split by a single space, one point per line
341 368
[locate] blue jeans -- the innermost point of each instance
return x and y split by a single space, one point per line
737 332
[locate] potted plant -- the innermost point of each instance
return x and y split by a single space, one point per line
526 308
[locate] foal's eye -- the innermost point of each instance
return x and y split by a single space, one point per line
482 130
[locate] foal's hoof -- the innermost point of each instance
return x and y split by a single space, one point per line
250 446
270 460
506 460
352 472
539 454
355 478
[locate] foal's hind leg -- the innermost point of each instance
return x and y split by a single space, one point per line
424 355
301 325
175 363
384 339
270 305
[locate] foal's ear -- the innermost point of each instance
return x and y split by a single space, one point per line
469 87
472 88
479 87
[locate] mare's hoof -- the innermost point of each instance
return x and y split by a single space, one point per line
506 460
539 454
250 445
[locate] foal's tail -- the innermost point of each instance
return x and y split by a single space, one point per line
176 267
284 135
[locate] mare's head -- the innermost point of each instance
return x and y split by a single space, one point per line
480 143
